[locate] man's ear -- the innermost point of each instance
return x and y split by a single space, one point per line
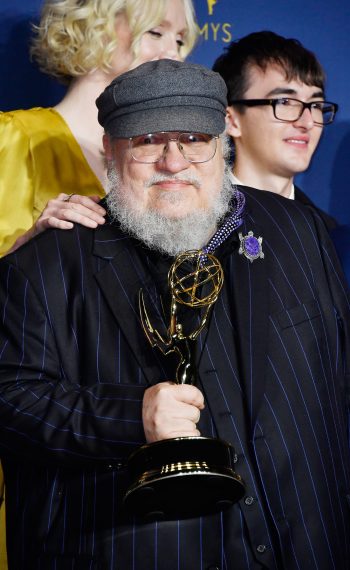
107 145
233 122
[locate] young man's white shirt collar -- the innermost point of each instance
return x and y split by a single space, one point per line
236 181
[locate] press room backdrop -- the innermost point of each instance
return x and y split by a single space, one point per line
321 25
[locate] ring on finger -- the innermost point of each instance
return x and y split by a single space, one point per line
67 199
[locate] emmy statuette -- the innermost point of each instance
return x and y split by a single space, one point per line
184 476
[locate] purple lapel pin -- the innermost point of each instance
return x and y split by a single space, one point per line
251 247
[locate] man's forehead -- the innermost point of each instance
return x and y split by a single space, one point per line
275 80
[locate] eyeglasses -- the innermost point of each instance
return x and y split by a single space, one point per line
290 110
194 147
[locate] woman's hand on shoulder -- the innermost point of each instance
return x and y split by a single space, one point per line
63 212
69 209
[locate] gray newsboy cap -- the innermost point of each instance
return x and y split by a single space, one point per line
164 95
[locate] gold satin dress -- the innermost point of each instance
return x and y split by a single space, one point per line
39 158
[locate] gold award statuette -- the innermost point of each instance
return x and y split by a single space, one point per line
184 476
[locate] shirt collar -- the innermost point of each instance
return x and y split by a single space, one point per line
236 181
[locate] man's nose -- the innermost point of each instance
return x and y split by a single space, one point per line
305 120
172 159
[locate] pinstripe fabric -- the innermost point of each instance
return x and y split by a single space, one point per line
74 365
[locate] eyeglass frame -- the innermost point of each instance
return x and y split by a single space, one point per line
273 103
178 144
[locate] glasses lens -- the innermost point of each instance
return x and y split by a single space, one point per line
148 148
325 112
287 109
197 147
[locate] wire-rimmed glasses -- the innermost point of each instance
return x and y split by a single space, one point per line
152 147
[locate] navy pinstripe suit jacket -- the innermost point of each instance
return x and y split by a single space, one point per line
273 365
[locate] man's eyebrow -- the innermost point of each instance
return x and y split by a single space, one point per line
290 91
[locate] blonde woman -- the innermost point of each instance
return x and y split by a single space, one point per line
49 154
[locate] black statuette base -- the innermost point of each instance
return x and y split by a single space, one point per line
200 481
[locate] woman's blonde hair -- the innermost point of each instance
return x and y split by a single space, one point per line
75 37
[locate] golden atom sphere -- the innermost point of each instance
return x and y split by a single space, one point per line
196 278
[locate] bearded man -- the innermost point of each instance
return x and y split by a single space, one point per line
81 388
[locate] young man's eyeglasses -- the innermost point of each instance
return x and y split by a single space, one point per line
289 110
152 147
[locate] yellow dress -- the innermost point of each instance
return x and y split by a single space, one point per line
39 158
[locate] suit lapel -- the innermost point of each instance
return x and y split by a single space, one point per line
120 277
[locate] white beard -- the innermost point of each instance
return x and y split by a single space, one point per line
167 235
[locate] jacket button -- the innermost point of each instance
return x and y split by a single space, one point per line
261 548
213 568
249 501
